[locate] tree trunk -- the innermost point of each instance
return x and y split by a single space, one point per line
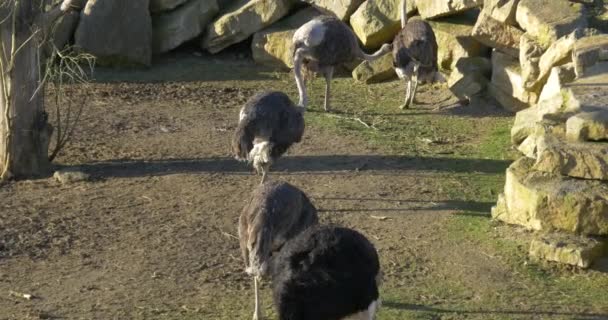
24 130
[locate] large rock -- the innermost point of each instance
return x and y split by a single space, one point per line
343 9
63 31
584 160
245 18
185 23
454 39
549 20
552 98
117 32
568 249
273 46
589 51
524 124
164 5
502 10
506 75
496 34
470 77
542 201
434 9
378 21
529 57
558 53
375 71
588 126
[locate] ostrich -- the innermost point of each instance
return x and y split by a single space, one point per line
269 124
276 213
322 44
415 55
326 273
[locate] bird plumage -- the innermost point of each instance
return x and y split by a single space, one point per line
276 213
269 124
326 273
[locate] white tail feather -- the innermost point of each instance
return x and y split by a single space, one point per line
260 154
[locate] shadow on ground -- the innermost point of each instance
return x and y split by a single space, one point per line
472 208
533 313
295 164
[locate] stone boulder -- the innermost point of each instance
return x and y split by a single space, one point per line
548 20
455 41
434 9
558 53
552 97
506 76
245 18
583 160
542 201
375 71
164 5
377 21
496 34
173 28
343 9
501 10
569 249
117 32
470 77
273 46
529 58
588 126
589 51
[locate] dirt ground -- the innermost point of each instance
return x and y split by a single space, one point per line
152 234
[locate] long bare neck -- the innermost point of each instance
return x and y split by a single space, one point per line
403 13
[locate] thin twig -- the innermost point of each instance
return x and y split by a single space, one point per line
369 126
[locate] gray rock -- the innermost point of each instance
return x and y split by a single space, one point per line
502 10
343 9
165 5
583 160
243 20
529 57
588 126
185 23
547 21
589 51
507 77
542 201
470 77
496 34
117 32
375 71
441 8
558 53
568 249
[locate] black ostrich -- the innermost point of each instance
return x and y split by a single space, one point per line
276 213
415 55
269 124
326 273
322 44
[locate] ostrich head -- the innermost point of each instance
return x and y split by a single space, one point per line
386 48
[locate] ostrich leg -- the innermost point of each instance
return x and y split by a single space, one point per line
408 93
414 84
257 314
329 72
297 62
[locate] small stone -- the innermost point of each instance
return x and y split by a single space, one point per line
568 249
69 176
